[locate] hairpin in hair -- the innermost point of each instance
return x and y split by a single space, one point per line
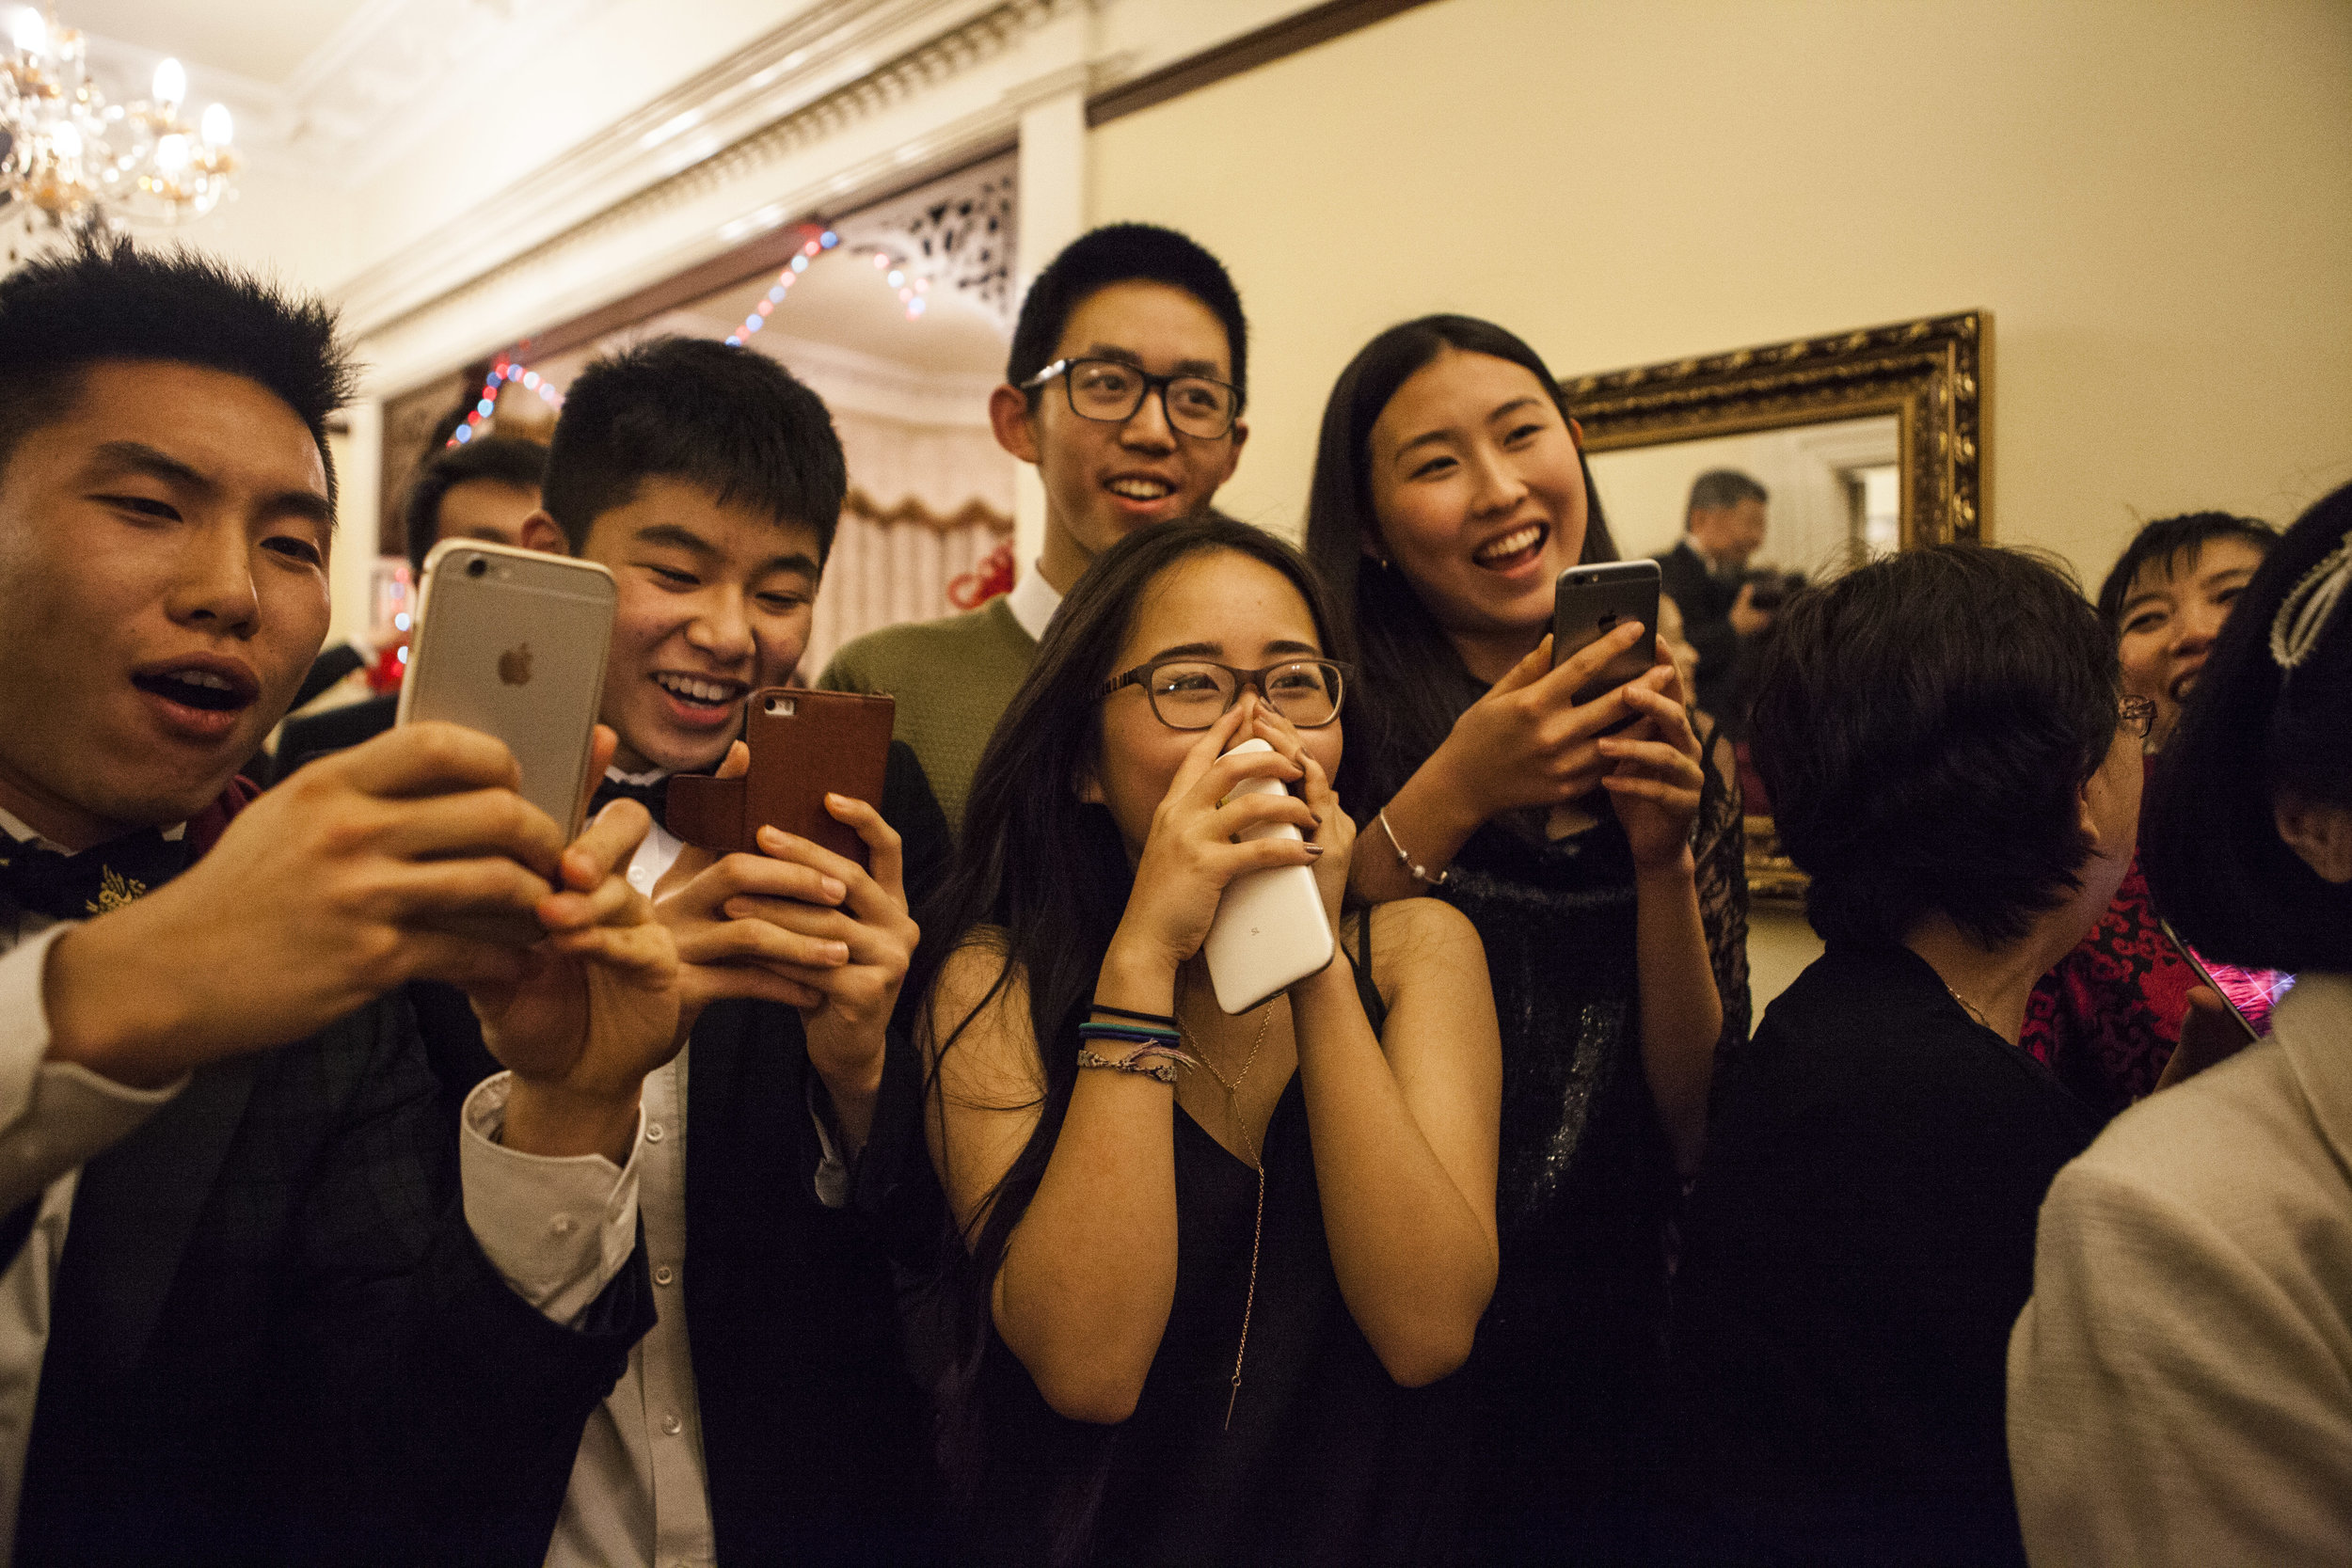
2308 606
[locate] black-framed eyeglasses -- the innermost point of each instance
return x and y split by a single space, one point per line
1110 391
2138 715
1194 694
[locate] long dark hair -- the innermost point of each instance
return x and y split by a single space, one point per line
1411 670
1046 876
2209 840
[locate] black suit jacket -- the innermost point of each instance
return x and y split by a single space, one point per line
1705 603
307 739
276 1339
816 1438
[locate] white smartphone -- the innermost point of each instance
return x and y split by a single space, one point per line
512 642
1271 931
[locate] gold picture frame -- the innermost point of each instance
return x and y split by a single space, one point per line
1931 373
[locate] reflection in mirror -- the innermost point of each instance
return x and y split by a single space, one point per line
1832 488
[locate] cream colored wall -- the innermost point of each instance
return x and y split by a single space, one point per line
2153 198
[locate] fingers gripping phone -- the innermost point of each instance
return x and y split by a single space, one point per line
1589 603
1271 931
512 642
804 745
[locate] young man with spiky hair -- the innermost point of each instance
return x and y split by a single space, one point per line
769 1416
248 1310
1125 391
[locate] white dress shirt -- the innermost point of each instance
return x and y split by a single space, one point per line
639 1490
54 1115
1033 602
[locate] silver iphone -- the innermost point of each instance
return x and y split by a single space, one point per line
512 642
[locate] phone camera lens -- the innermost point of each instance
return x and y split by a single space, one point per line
476 567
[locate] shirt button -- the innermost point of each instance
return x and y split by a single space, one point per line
662 1275
672 1425
652 1131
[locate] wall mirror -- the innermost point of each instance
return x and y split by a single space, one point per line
1867 440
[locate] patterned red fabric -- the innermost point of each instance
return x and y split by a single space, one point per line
2105 1020
205 827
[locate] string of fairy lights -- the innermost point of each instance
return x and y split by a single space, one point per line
503 372
508 370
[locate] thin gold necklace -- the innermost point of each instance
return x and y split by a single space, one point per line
1257 1233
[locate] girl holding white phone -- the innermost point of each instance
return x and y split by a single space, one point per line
1203 1301
1602 867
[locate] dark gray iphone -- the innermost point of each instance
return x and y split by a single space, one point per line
1592 601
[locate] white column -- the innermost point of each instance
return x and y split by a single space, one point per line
358 477
1053 212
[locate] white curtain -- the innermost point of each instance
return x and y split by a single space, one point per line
929 505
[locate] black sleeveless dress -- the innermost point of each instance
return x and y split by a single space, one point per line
1567 1380
1325 1461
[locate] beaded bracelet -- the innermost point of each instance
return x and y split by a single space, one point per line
1417 873
1154 1062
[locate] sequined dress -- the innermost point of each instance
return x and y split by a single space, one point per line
1567 1376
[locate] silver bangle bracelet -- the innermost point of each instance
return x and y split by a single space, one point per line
1412 867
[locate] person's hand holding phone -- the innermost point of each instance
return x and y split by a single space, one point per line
801 925
592 1007
1190 856
1336 831
370 867
1527 743
1656 771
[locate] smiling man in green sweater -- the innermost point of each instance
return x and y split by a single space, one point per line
1124 387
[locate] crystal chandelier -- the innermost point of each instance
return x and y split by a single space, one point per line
70 159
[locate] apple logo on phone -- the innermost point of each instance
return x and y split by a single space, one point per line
515 665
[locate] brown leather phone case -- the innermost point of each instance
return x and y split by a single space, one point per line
805 744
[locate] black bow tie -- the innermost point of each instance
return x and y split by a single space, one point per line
75 887
654 797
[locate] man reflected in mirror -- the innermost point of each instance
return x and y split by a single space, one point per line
1706 575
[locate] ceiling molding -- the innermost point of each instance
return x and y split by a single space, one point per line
393 72
925 109
817 69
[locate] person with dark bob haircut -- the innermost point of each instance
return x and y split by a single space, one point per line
1950 761
2167 595
252 1306
1602 865
1215 1261
2111 1017
2178 1383
1124 390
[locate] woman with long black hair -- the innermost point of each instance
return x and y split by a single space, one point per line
1450 491
1203 1302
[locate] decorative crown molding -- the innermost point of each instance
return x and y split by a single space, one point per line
810 78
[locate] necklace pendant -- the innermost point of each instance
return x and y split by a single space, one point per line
1229 1401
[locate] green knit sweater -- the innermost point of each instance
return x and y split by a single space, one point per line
953 679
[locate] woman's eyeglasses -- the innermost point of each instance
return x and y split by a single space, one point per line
1194 694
